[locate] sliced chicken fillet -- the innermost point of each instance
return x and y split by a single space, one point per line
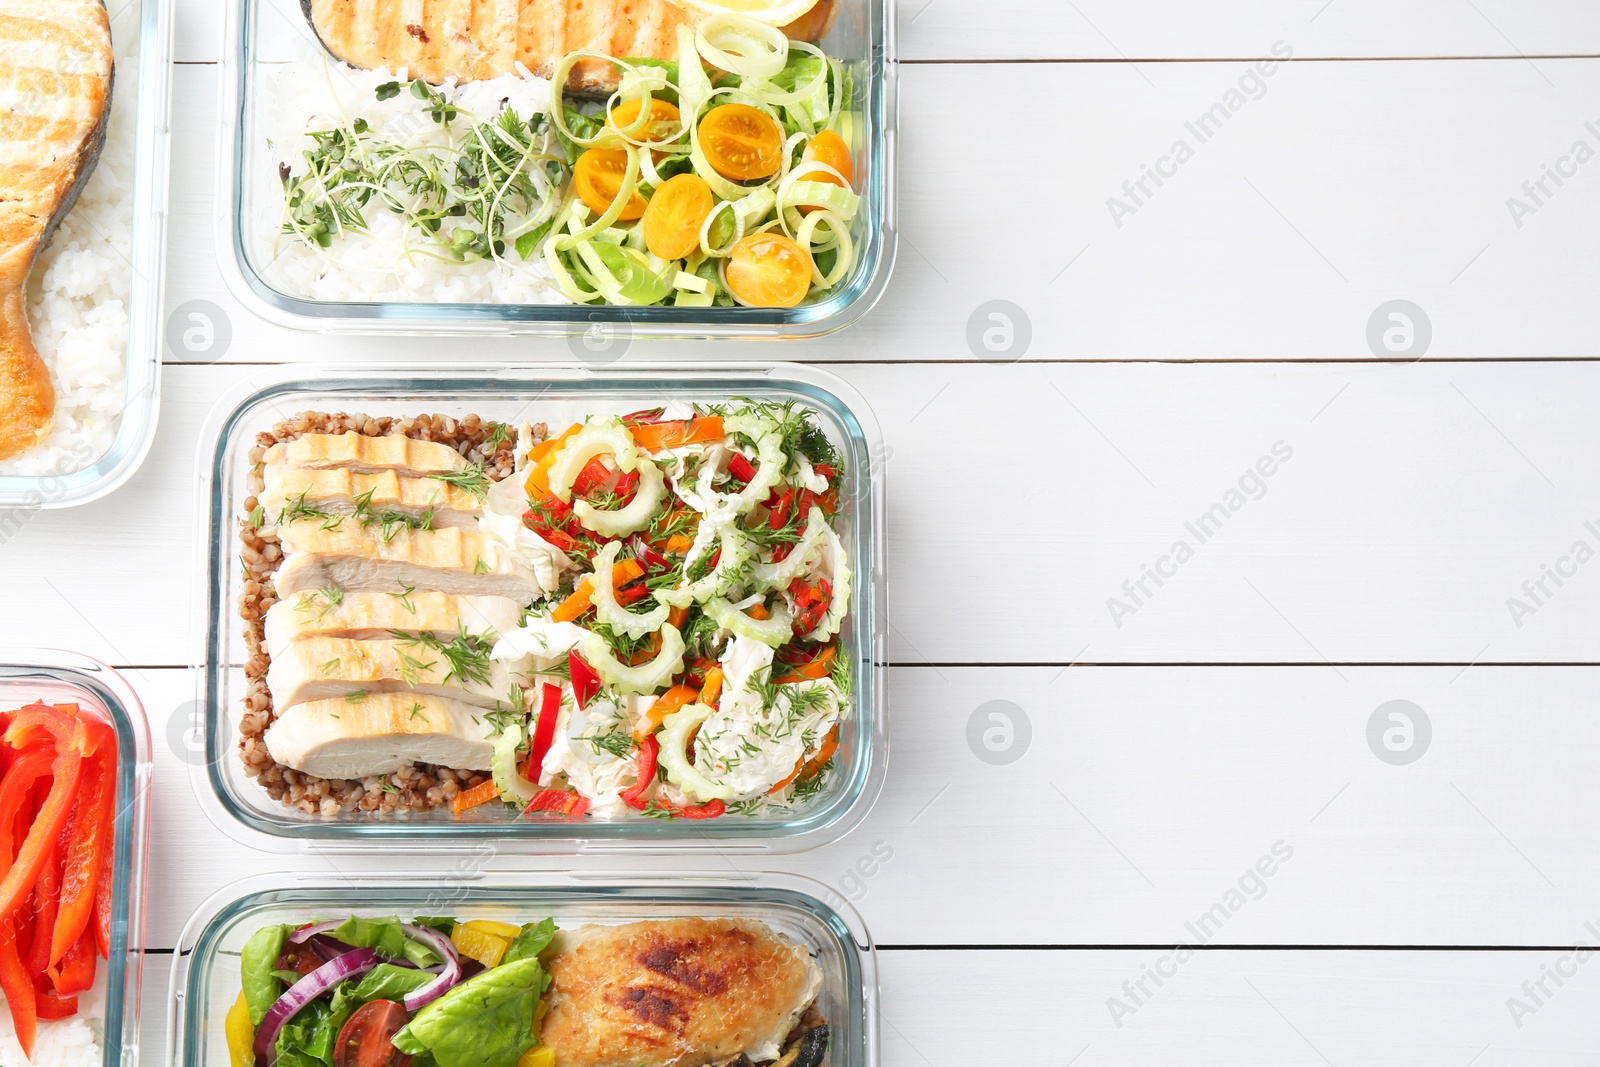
372 499
446 561
374 616
366 455
675 993
379 734
473 40
322 668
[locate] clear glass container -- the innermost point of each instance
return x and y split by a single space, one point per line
146 273
31 675
261 34
556 396
205 971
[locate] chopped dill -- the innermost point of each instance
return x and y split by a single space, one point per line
471 480
257 517
330 666
616 741
355 697
404 596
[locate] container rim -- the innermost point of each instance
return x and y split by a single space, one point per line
792 893
105 688
290 832
145 293
840 309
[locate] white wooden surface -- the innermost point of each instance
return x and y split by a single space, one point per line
1228 712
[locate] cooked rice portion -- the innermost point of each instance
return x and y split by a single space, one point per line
417 788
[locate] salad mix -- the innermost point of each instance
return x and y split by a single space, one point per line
686 664
382 993
723 177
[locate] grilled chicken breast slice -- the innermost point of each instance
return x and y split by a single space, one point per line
675 993
366 455
473 40
373 499
373 616
55 95
378 734
446 561
324 668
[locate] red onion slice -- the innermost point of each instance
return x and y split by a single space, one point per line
306 933
350 965
448 977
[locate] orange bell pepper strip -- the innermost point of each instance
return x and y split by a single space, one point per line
66 769
818 667
581 599
86 842
478 795
812 767
542 457
657 436
665 705
713 687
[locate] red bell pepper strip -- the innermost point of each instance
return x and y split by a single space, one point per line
102 914
46 905
741 468
649 754
557 803
585 679
76 971
594 475
811 603
43 834
87 841
18 989
544 731
709 810
52 1005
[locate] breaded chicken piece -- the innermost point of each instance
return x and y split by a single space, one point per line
675 993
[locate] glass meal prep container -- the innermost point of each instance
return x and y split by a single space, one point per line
259 35
557 397
31 675
145 89
205 971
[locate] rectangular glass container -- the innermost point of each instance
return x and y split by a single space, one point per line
30 675
146 274
205 972
556 396
259 34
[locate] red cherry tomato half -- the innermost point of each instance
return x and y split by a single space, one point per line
367 1039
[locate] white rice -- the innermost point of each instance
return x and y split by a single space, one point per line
78 290
73 1042
319 93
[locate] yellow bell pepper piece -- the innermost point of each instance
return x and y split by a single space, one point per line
504 931
481 945
538 1056
241 1034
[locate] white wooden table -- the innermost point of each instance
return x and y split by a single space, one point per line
1027 911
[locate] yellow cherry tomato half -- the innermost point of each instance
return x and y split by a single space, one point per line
598 178
769 270
662 127
741 143
829 148
675 214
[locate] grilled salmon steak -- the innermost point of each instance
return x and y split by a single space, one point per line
55 94
675 993
474 40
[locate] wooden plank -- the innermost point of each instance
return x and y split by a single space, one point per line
1145 806
1171 29
1416 503
1343 187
